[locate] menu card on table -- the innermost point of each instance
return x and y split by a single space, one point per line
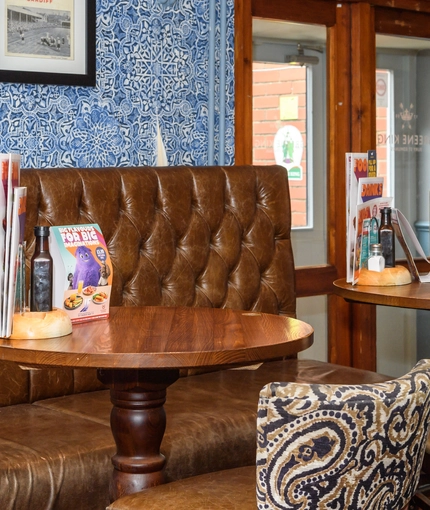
82 276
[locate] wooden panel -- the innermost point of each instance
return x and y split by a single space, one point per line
363 133
364 336
339 331
339 134
305 11
243 82
408 5
339 142
421 264
315 281
363 87
402 22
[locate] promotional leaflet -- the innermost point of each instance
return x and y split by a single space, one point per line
82 271
356 168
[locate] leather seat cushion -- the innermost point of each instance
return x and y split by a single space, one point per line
224 490
211 418
51 460
58 450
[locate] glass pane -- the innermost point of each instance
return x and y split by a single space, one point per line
288 57
279 127
403 152
385 129
403 125
289 120
313 310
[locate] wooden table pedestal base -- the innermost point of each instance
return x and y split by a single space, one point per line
138 422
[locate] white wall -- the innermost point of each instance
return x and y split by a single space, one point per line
313 310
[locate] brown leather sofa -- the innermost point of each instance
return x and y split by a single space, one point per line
217 237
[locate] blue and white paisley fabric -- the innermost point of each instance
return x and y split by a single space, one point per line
342 447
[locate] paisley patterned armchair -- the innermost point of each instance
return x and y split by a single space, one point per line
340 446
319 447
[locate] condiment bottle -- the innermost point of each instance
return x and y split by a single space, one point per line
376 261
387 238
373 231
41 273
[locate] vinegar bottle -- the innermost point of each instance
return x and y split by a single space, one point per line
387 238
41 273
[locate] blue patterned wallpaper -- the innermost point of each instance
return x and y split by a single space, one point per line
153 59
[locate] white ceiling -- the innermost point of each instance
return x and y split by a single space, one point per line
316 35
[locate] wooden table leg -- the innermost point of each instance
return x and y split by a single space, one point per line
364 336
138 422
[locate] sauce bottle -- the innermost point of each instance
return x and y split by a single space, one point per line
387 238
41 273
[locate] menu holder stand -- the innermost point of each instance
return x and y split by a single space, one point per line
390 276
39 325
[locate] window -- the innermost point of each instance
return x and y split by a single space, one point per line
289 123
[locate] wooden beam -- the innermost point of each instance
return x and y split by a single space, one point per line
363 83
299 12
339 134
407 5
315 280
402 22
243 82
339 142
363 138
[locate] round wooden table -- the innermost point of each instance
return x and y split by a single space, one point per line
139 351
413 295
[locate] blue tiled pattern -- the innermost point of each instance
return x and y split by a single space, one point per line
152 59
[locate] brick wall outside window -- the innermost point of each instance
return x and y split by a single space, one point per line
271 82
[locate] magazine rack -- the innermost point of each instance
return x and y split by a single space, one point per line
38 325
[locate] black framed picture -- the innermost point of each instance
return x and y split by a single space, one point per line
49 42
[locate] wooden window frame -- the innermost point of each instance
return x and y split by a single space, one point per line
351 127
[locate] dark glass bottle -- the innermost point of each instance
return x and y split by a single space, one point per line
387 238
41 273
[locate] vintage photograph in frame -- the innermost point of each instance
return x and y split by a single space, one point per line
51 42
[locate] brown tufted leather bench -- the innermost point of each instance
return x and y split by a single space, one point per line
215 237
